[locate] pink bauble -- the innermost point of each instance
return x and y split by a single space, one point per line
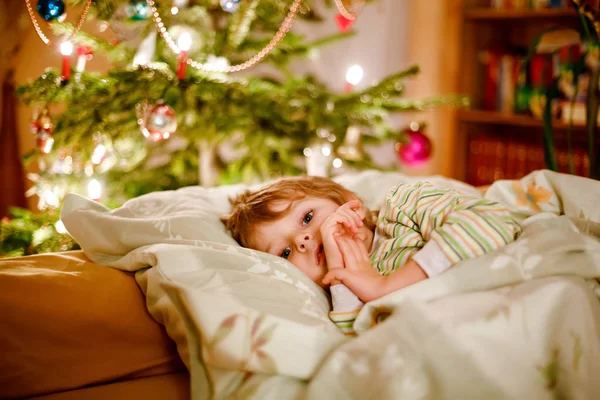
416 152
344 24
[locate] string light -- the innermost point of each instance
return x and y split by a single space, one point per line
39 30
348 14
283 30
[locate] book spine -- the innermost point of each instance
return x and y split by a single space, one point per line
490 91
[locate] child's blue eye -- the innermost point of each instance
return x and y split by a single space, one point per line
307 218
286 253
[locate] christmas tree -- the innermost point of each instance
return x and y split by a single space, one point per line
175 110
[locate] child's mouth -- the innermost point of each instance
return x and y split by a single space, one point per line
319 254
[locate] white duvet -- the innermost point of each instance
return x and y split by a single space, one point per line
520 323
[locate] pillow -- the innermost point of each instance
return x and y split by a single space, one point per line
192 213
235 313
68 323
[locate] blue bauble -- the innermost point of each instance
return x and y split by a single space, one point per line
230 5
51 9
138 10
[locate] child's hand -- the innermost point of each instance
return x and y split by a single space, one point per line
358 275
347 218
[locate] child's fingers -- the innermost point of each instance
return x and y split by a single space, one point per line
352 218
355 217
343 218
357 207
335 274
350 251
364 254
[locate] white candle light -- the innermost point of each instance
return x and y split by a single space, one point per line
354 74
184 43
66 49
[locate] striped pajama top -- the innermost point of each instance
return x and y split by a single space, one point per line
415 214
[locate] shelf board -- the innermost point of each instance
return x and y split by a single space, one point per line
500 118
486 14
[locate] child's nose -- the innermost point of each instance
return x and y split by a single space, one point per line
304 241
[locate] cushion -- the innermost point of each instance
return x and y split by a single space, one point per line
67 323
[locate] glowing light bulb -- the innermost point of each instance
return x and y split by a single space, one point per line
66 48
184 41
354 75
94 189
99 153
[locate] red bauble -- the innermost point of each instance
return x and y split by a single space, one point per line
159 122
416 151
344 24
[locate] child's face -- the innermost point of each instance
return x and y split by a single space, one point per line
297 236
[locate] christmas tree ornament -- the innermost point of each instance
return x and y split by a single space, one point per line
230 6
344 24
184 43
99 153
344 12
66 49
416 151
138 10
157 122
319 154
63 164
44 142
51 10
103 156
252 61
146 50
42 127
351 149
84 54
214 63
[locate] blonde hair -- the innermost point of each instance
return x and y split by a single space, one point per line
249 209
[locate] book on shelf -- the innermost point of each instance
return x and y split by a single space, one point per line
501 72
492 158
529 4
510 87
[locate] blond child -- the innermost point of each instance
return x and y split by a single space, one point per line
325 231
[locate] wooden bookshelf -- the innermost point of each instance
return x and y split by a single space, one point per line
492 140
486 14
508 119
